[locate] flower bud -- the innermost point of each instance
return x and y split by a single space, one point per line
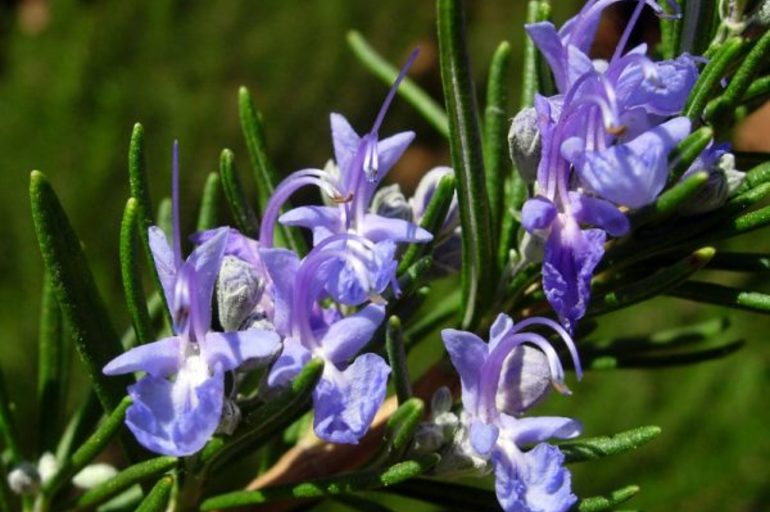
424 193
428 438
441 401
524 144
47 466
459 458
239 289
24 479
722 182
390 202
524 380
93 475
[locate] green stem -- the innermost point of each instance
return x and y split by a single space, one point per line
50 368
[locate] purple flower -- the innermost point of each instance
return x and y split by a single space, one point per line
352 387
522 362
177 405
362 162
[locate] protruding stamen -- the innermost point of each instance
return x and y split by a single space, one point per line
393 89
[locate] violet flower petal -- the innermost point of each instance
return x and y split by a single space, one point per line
483 437
346 337
228 350
537 213
378 228
288 365
282 266
165 264
533 430
600 213
206 260
175 418
324 221
468 353
346 402
345 141
160 358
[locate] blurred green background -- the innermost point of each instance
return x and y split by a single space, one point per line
76 75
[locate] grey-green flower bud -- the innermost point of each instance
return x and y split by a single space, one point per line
24 479
93 475
239 289
525 379
441 401
390 202
525 144
722 183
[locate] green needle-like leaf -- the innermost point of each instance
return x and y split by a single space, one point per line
594 448
477 275
260 426
685 153
699 22
712 74
136 301
401 428
50 368
157 499
497 163
208 212
243 214
432 220
756 176
670 31
82 306
131 475
394 343
739 83
651 286
265 175
535 13
353 482
8 431
662 360
92 447
412 279
412 93
669 201
740 262
712 293
448 494
609 502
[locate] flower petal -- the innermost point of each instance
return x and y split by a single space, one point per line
282 266
323 220
547 40
160 358
345 141
175 418
291 361
206 260
378 228
165 265
483 437
536 480
468 353
537 213
528 431
227 350
346 337
600 213
345 402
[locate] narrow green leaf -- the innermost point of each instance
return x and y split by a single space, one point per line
432 221
265 175
601 503
497 163
394 343
648 287
411 279
401 427
669 201
477 273
243 214
8 431
740 262
663 360
758 92
157 499
699 23
208 212
662 340
712 74
712 293
745 223
50 368
515 195
413 94
123 480
756 176
89 450
685 153
535 13
82 306
723 106
80 425
670 31
260 426
129 271
448 494
165 223
353 482
594 448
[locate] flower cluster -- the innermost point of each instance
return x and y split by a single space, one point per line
598 147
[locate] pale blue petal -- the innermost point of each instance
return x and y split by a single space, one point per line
468 353
288 365
206 260
282 266
483 437
537 213
346 337
165 264
160 358
377 228
345 141
346 402
228 350
599 213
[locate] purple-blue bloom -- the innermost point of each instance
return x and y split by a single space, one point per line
352 387
177 405
611 124
500 380
362 162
